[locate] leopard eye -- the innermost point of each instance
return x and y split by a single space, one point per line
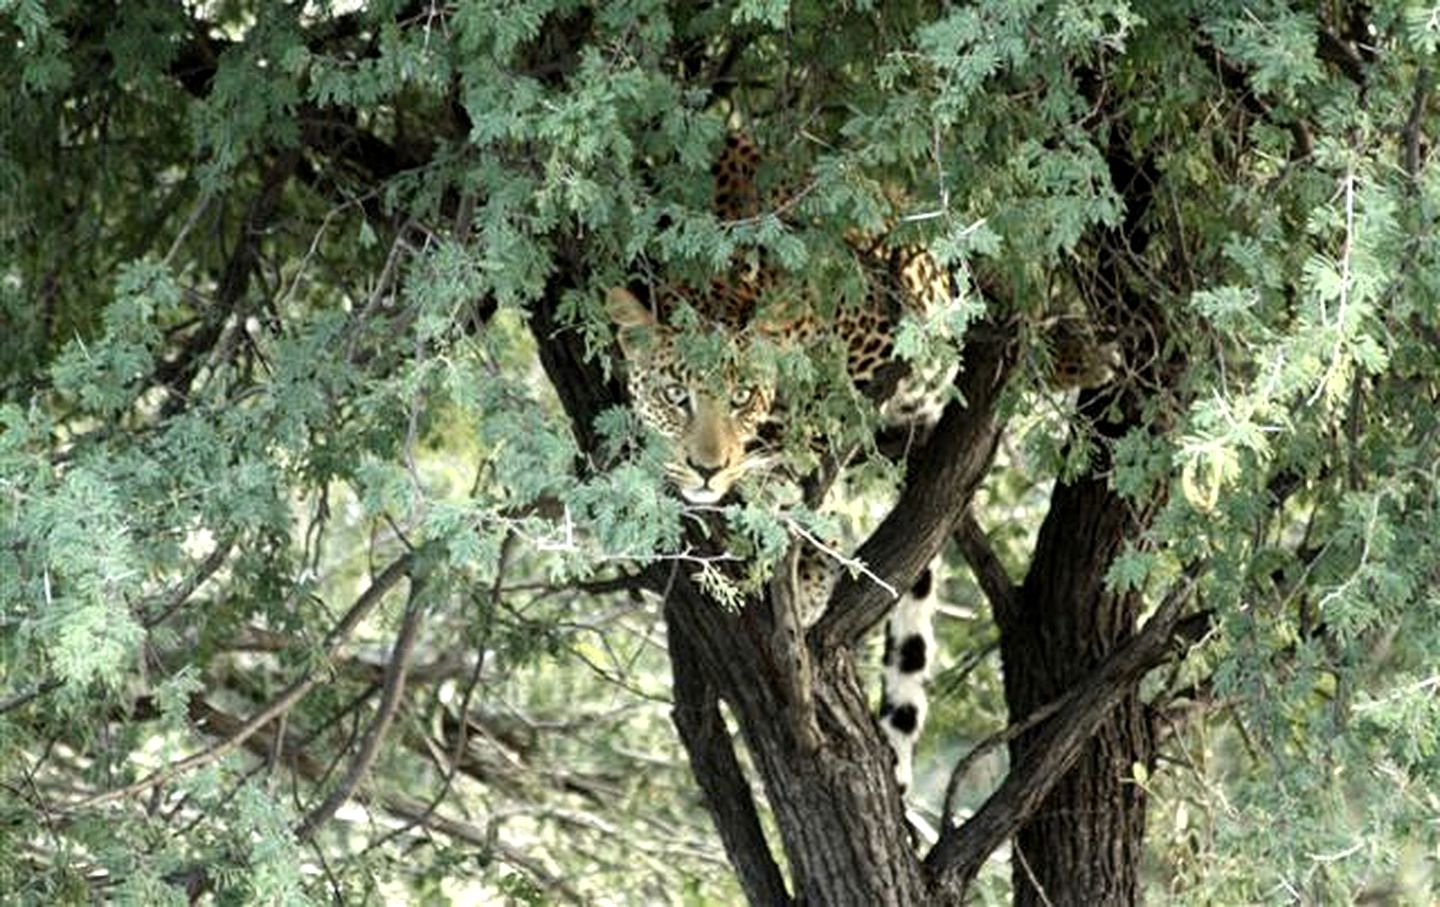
675 394
742 397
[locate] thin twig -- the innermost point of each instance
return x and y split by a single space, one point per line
1030 875
854 565
177 597
200 205
957 856
276 707
776 211
391 692
407 808
1346 248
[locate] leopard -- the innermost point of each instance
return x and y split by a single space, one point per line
713 421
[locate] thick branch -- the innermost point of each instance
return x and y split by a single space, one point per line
584 393
1335 49
22 699
176 598
1410 151
1004 735
961 850
234 283
712 758
939 485
578 381
1235 79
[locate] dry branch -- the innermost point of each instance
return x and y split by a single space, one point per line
391 691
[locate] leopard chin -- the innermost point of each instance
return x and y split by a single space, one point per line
703 494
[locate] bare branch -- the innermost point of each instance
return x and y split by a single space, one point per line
21 699
462 711
292 753
851 564
391 692
214 339
415 811
1005 735
276 707
1337 50
1187 631
989 572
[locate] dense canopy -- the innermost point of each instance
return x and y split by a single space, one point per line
334 567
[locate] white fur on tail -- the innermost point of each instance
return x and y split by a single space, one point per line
909 657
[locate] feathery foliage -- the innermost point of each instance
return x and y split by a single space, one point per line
290 506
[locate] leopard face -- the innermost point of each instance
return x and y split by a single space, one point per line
711 422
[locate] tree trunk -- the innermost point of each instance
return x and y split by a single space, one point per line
1084 844
840 818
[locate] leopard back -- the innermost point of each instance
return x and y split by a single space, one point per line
712 419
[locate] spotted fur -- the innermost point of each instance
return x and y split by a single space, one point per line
713 422
909 654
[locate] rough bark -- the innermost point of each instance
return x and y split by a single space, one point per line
727 794
1083 844
841 823
1067 726
942 479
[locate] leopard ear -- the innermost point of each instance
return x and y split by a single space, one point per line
637 326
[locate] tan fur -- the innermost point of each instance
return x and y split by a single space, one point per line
713 421
709 420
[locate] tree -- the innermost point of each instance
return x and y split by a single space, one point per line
330 553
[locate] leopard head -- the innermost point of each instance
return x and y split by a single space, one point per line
711 421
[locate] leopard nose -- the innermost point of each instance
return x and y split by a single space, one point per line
704 472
